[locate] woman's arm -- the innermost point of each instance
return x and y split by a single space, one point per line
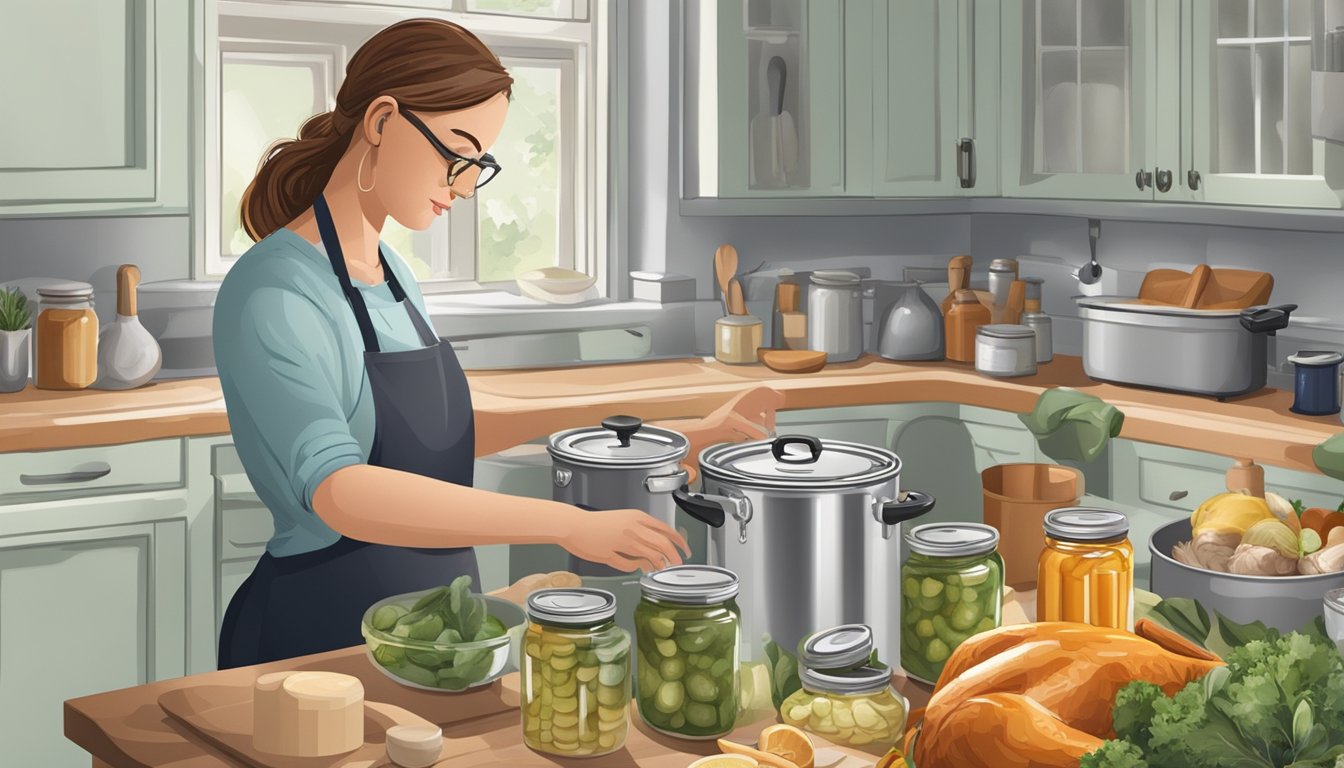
388 506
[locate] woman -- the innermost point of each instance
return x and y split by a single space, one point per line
353 422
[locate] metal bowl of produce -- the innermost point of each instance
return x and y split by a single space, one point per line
1286 603
436 640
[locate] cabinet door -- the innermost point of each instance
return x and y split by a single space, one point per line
82 612
766 146
1079 105
107 105
903 71
1250 127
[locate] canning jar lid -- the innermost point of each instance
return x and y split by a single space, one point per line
690 585
66 291
579 607
621 441
953 539
846 682
1003 265
1084 524
1316 358
799 462
848 646
1005 331
835 277
738 320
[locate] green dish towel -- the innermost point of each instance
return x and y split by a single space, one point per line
1073 426
1329 457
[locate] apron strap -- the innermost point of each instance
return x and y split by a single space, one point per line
332 243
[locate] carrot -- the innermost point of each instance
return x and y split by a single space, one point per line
1322 520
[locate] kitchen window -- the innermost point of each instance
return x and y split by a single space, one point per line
280 63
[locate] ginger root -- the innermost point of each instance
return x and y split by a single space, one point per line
1251 560
1209 550
1328 560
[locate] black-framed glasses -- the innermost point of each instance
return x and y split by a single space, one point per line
457 164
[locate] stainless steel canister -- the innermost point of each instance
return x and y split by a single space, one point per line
623 464
835 315
1005 350
812 528
1045 343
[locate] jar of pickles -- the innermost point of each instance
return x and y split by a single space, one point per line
576 673
844 698
1086 569
687 628
951 588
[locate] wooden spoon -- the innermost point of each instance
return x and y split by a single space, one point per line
737 305
725 267
1198 279
787 296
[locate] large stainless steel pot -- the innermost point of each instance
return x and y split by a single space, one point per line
812 529
624 464
1286 603
1213 352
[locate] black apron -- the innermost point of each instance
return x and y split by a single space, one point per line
423 423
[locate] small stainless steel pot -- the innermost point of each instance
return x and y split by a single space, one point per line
624 464
812 528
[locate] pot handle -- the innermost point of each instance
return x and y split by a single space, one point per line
778 445
624 426
911 504
700 506
1266 319
667 483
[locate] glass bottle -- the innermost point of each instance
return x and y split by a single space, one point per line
66 337
1086 569
951 589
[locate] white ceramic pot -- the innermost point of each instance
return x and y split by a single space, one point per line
14 359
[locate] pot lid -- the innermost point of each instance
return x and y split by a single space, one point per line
848 682
1006 331
690 585
1130 304
621 441
1085 524
1316 358
953 539
799 461
70 290
571 607
835 277
844 647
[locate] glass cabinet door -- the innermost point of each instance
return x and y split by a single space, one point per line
1251 141
765 96
1079 91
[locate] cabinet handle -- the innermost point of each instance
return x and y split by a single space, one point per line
1144 179
1192 179
1178 495
1164 180
81 474
966 163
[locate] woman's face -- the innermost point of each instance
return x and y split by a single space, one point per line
410 176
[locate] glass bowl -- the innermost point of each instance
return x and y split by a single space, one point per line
443 663
1334 617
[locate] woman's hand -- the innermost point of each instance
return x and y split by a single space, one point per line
748 416
625 539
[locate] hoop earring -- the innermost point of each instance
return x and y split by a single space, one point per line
359 173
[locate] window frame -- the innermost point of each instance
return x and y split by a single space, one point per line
579 47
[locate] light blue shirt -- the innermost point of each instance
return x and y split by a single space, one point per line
291 366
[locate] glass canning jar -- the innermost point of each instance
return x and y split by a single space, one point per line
951 589
576 673
1086 569
66 337
688 635
845 698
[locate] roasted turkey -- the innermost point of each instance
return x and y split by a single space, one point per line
1040 695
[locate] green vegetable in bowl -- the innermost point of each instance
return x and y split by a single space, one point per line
445 617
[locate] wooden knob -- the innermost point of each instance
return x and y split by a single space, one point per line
128 277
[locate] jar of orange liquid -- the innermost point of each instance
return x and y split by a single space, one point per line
66 337
1086 571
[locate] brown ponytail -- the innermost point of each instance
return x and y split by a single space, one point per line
427 65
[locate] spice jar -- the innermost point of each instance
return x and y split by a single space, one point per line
66 337
687 627
951 589
576 673
1086 569
960 324
844 698
736 339
1005 350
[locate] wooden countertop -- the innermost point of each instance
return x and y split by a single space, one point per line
528 404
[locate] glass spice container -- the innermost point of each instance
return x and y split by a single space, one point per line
736 339
66 337
951 589
688 635
844 699
576 673
1086 569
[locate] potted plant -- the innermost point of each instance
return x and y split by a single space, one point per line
15 339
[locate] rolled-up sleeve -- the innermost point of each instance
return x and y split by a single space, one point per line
284 370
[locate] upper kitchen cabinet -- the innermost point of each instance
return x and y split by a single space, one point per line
1080 99
1250 107
765 98
99 94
